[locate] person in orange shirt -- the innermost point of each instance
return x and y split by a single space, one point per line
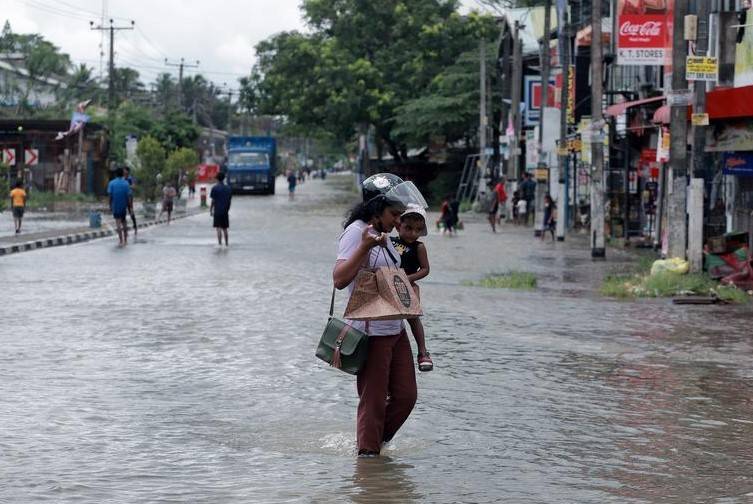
18 204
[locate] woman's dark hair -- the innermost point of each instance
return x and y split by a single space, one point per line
365 211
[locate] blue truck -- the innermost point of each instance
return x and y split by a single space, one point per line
251 164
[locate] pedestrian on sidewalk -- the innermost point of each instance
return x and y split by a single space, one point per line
18 204
168 197
387 382
415 261
221 195
550 216
455 212
528 191
120 194
292 182
129 178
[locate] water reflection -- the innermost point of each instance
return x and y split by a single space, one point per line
382 480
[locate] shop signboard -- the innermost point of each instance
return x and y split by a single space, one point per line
533 98
662 150
702 68
699 119
643 32
738 163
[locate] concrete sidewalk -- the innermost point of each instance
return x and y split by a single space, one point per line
52 238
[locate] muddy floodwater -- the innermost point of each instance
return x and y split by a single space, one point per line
176 371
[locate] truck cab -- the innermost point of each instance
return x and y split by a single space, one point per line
252 164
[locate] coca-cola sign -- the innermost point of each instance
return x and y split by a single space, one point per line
644 32
647 29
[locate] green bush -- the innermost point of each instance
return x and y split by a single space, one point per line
151 163
180 160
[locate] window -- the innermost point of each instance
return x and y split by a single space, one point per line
249 158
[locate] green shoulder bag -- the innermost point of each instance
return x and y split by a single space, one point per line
342 346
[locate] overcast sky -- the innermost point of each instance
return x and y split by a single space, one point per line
220 34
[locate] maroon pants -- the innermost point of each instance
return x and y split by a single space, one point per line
387 390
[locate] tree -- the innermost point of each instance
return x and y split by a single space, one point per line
166 92
151 163
450 106
129 120
362 62
127 84
181 161
175 130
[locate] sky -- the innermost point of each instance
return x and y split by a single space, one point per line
221 34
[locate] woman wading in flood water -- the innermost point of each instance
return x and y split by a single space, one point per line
387 382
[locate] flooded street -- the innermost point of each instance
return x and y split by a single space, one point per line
176 371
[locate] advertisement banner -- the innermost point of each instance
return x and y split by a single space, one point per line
738 163
533 97
644 35
702 68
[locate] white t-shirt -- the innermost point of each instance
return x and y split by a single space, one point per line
349 242
522 206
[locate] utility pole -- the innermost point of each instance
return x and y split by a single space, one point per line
483 119
181 65
695 207
564 155
678 153
111 74
517 91
598 248
111 77
543 168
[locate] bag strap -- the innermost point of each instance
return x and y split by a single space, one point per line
332 304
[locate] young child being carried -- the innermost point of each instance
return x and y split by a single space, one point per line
415 262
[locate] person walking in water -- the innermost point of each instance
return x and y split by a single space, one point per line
120 194
550 216
18 204
387 382
221 195
168 198
415 261
129 178
292 182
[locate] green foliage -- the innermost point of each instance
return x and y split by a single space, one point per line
360 63
519 280
449 107
176 130
182 160
151 163
668 284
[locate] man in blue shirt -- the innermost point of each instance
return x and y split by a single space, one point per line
220 207
120 195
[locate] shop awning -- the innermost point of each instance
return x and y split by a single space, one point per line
728 103
620 108
663 114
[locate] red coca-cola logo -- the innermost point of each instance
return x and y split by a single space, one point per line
647 29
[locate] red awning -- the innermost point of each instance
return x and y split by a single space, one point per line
728 103
620 108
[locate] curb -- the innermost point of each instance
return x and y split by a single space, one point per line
70 239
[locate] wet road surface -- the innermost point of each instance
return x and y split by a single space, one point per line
177 371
